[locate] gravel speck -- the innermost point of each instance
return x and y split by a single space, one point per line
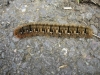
88 15
3 55
24 64
99 34
20 50
14 65
23 8
64 51
12 45
94 45
15 39
98 15
0 63
11 34
94 29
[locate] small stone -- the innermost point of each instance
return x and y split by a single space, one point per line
93 18
72 16
7 24
96 54
20 50
32 0
14 65
0 51
94 29
28 46
71 53
99 34
77 8
79 18
15 50
91 69
96 20
96 24
11 34
12 45
0 62
91 22
97 15
2 55
88 16
94 45
23 8
24 65
15 39
64 51
83 10
49 1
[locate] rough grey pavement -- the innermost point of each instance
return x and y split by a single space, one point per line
42 55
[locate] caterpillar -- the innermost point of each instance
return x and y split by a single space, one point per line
55 30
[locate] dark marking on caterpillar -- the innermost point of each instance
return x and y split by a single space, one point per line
55 30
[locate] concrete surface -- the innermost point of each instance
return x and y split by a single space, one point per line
42 55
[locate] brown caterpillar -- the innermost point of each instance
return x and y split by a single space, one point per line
56 30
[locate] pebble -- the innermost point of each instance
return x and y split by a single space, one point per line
15 50
94 29
91 22
94 45
80 64
97 55
77 8
47 45
90 69
11 34
71 53
72 16
24 65
20 50
88 15
12 45
0 51
49 1
0 62
96 20
14 65
23 8
99 34
15 39
64 51
2 55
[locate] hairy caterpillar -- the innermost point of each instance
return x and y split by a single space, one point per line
56 30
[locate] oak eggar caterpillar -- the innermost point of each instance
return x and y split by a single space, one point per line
55 30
